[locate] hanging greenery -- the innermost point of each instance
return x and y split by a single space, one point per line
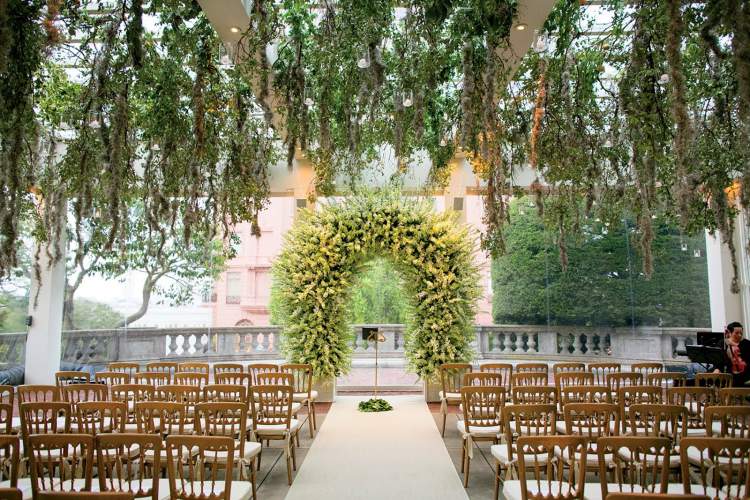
325 252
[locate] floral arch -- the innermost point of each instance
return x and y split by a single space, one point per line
325 252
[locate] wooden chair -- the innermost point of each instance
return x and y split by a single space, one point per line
559 368
581 394
225 393
660 420
44 418
521 379
193 368
482 379
160 418
734 396
521 420
203 482
10 460
38 393
723 467
591 421
637 463
303 391
573 379
154 379
56 459
101 417
189 395
243 379
505 370
451 378
275 378
7 394
227 368
6 418
255 368
79 393
67 377
482 411
132 394
635 394
126 463
169 367
535 394
112 378
196 379
715 380
603 370
11 493
727 421
531 367
124 367
695 399
666 380
228 419
647 369
622 379
540 481
272 419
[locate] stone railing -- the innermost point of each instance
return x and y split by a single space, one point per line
515 342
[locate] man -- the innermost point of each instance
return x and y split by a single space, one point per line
737 354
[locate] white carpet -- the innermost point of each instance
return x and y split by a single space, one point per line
390 455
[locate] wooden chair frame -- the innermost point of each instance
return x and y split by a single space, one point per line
51 452
124 367
154 379
734 396
603 370
734 421
529 378
255 368
122 464
101 417
303 391
725 461
535 394
482 411
194 367
531 367
504 369
271 407
204 448
196 379
647 368
451 378
643 469
557 488
38 393
227 368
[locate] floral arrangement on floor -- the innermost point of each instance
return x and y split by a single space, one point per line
325 252
374 405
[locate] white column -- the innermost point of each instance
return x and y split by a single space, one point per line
44 339
725 305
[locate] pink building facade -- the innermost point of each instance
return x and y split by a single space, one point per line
242 293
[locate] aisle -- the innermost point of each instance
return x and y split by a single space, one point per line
391 455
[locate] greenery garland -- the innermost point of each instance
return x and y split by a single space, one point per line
374 405
326 250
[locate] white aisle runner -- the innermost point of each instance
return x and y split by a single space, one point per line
397 454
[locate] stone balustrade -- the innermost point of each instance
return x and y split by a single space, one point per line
495 342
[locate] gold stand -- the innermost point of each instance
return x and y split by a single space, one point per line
376 337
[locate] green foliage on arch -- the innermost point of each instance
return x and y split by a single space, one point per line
326 250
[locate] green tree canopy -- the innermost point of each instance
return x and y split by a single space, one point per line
603 285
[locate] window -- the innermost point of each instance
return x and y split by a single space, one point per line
233 288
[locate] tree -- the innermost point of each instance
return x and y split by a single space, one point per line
89 314
603 285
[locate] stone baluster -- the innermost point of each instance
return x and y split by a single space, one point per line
272 342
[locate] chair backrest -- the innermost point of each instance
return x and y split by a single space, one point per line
161 417
584 394
559 368
622 379
603 370
531 367
112 378
124 367
44 418
7 394
6 418
272 405
643 461
659 420
193 368
196 379
162 367
529 378
636 394
227 393
122 465
539 480
485 379
733 421
504 369
647 368
213 482
255 368
12 493
734 396
716 380
722 461
275 378
592 421
84 495
244 379
575 379
97 417
452 376
222 419
154 379
10 458
535 394
131 394
528 420
482 406
78 393
227 368
666 380
67 377
56 459
695 399
185 394
38 393
303 376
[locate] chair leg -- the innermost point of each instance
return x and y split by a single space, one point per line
294 458
314 417
497 480
468 463
288 469
445 416
260 454
310 418
252 478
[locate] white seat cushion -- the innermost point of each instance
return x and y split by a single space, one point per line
625 454
276 430
241 490
560 427
479 430
450 396
134 485
512 489
302 396
500 452
252 450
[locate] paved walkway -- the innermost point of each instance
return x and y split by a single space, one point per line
390 455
